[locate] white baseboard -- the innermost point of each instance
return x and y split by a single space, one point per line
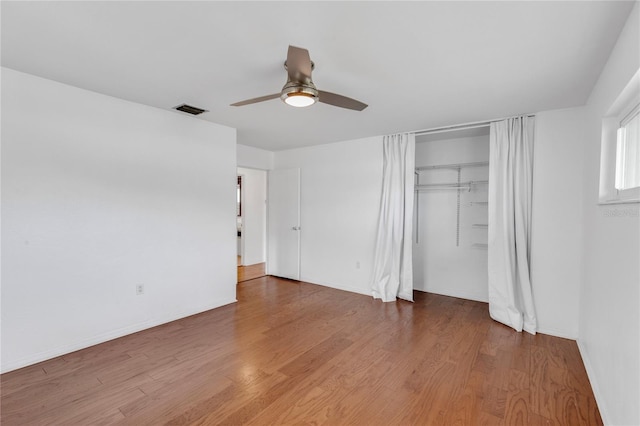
353 290
594 384
105 337
557 333
358 290
368 291
457 295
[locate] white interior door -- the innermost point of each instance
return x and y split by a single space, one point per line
283 257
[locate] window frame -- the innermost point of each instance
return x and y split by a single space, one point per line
626 117
623 106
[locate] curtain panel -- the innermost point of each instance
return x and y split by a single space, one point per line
393 268
510 192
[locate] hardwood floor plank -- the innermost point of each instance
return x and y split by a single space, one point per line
101 411
287 407
164 399
466 408
426 407
296 353
18 380
250 272
38 399
261 402
519 412
351 370
316 356
494 401
237 404
134 366
379 407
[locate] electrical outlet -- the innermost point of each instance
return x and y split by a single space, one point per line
139 289
358 265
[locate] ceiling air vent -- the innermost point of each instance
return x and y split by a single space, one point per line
190 109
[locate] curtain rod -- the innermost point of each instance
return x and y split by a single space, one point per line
465 126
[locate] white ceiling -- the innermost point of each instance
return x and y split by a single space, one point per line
417 64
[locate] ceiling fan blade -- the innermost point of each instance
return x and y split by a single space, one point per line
298 64
340 101
256 100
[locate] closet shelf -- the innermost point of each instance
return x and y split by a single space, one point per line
457 186
480 246
480 225
452 166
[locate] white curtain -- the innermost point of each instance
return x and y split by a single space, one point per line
392 268
510 188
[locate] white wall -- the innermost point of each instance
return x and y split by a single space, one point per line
439 265
254 158
100 195
556 237
340 201
609 333
254 215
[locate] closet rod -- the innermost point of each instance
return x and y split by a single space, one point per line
453 184
441 188
472 125
453 128
453 166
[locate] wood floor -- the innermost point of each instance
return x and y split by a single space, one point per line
292 352
250 272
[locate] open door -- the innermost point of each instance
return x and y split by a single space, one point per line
239 220
283 255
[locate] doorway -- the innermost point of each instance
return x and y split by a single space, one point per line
251 223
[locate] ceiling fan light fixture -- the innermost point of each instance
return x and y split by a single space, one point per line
299 95
300 99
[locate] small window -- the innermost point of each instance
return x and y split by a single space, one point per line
628 151
620 153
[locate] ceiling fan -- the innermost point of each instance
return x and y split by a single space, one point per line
299 91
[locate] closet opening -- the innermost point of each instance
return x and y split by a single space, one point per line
451 212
